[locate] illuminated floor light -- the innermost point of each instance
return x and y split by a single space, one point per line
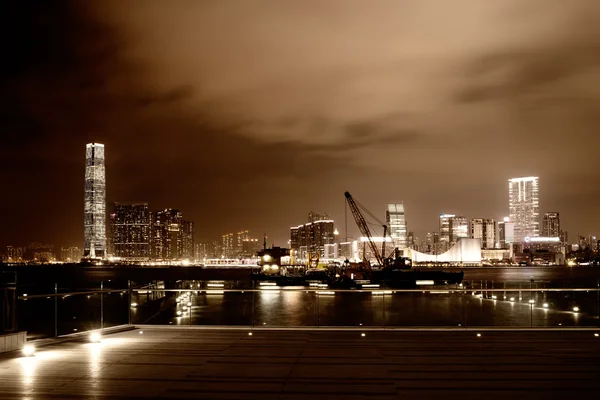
545 305
575 309
363 335
178 312
141 332
28 350
512 299
531 301
189 304
249 333
479 335
133 304
595 334
95 337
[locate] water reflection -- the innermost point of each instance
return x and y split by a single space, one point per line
300 307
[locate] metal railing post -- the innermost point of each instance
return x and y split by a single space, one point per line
383 304
531 303
56 310
129 302
252 313
318 310
101 305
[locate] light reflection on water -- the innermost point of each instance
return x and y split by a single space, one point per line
289 308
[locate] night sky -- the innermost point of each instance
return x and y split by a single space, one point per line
249 114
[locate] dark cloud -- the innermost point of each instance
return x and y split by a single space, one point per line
434 103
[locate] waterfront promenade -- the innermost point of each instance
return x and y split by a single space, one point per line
169 362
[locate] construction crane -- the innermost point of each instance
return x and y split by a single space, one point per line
364 228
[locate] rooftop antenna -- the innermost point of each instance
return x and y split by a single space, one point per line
265 242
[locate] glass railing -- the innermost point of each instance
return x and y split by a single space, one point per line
271 306
274 306
65 313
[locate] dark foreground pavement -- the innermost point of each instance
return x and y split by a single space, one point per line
212 364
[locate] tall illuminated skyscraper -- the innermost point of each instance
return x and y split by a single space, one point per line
524 206
396 221
95 202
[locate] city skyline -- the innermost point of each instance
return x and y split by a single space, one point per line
458 226
251 127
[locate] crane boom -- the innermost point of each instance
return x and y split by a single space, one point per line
363 227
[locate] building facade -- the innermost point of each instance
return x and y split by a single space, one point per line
484 229
524 205
395 218
95 202
167 235
551 225
241 237
506 233
188 240
131 232
452 228
459 229
446 228
71 254
312 236
228 248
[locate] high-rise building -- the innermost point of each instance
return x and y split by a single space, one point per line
312 236
396 222
446 227
250 247
296 237
460 229
95 202
71 254
452 228
485 230
131 232
167 234
551 225
313 216
228 247
15 254
241 237
187 228
524 205
201 251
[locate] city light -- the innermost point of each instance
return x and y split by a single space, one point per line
576 309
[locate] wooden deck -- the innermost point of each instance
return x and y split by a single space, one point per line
228 364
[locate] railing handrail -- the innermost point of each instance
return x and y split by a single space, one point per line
312 289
